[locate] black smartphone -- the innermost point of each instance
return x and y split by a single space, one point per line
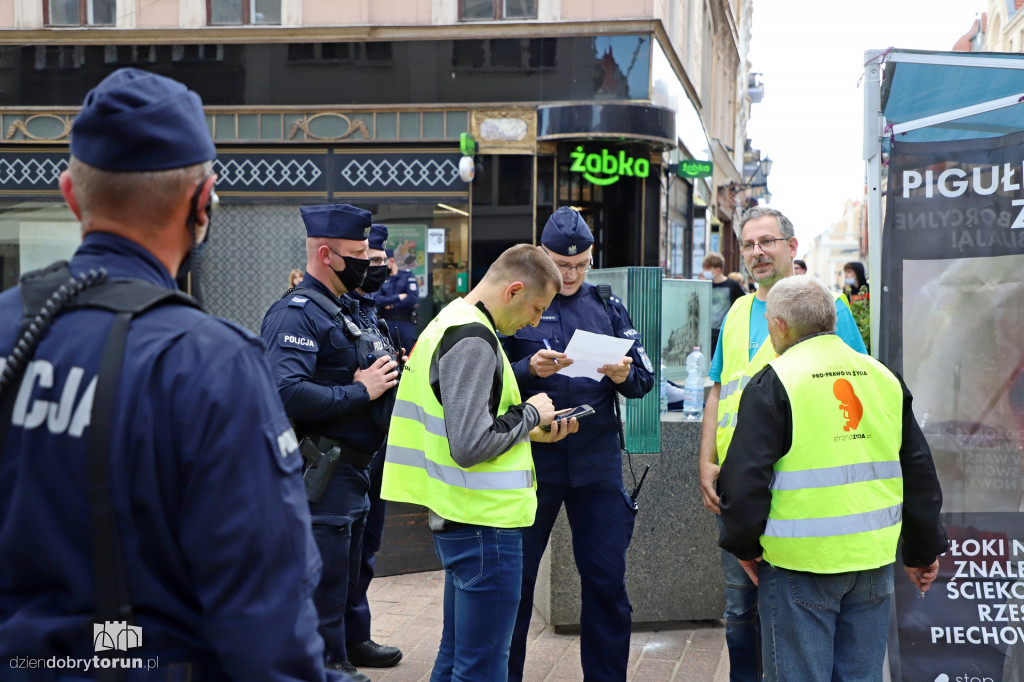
579 412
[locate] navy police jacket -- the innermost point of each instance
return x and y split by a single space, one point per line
388 304
315 360
205 482
592 454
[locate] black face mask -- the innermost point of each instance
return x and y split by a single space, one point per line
352 276
190 265
375 276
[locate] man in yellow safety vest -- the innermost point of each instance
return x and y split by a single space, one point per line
459 444
768 246
827 469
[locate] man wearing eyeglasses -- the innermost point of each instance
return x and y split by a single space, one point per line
768 246
584 471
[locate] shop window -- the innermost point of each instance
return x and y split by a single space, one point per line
129 54
486 10
505 54
80 12
197 53
59 57
243 12
363 54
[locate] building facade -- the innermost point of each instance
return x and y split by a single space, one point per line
584 103
843 242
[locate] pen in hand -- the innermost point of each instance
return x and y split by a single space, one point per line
548 346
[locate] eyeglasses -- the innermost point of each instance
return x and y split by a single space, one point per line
766 244
378 260
566 269
581 269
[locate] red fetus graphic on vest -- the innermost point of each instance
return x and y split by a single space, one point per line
849 404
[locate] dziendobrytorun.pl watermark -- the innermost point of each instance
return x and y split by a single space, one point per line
107 636
83 664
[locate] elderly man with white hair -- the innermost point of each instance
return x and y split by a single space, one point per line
827 469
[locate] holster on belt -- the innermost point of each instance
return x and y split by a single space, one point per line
319 467
324 455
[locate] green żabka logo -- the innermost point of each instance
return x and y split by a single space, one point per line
611 166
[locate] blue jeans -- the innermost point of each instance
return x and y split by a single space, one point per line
742 631
824 627
483 571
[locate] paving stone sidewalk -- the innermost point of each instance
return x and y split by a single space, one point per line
407 614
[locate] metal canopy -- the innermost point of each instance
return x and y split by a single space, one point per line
928 97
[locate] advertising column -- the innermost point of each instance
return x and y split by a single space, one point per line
952 321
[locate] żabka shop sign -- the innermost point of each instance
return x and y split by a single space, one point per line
605 168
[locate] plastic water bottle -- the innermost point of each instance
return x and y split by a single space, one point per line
663 404
693 389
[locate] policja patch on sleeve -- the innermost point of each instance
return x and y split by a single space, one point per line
297 341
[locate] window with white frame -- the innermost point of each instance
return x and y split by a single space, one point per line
487 10
80 12
243 12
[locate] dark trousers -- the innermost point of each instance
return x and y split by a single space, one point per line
601 519
357 615
338 523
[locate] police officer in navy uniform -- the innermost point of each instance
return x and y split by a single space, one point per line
584 471
335 375
396 302
363 651
202 490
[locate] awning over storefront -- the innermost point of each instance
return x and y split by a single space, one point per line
969 95
631 121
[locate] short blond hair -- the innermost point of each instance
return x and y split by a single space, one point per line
525 263
145 195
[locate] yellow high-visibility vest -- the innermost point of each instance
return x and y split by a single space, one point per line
837 495
418 466
738 368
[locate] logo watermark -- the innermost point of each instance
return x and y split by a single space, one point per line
116 635
109 636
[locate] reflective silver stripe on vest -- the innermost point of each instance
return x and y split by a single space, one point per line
830 476
410 410
730 417
734 385
460 478
835 525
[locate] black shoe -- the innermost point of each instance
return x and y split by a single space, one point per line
350 670
369 654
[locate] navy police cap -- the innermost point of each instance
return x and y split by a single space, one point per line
566 233
390 253
336 221
378 235
139 121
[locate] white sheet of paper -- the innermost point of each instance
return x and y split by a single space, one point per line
589 351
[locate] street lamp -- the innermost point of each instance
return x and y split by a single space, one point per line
757 187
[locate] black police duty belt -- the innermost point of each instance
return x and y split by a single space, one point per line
45 294
349 454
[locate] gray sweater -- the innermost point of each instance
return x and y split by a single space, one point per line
466 376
